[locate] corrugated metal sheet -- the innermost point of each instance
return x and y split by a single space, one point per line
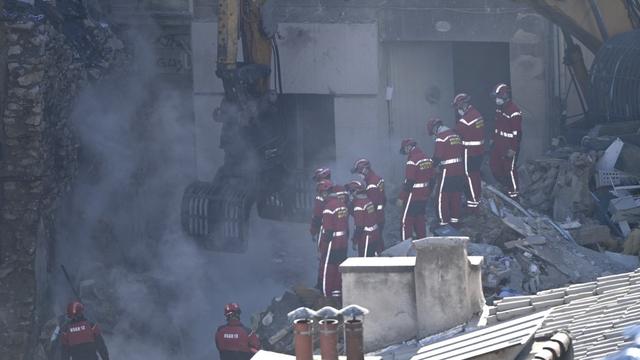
512 333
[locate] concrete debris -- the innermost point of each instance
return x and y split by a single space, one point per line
559 187
626 260
632 243
273 325
593 234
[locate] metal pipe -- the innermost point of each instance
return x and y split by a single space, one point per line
328 329
354 339
303 341
597 14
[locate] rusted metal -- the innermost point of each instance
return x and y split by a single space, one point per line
303 341
328 329
354 339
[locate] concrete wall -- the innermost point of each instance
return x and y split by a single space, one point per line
354 52
411 297
448 284
385 286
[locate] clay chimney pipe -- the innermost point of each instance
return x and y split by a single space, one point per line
354 339
328 329
302 339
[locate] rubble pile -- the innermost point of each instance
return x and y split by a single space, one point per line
45 73
559 187
273 326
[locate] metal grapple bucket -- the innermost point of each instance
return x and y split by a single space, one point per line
217 215
293 203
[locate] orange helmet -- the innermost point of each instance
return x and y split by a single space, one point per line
433 124
231 309
501 90
355 186
75 309
321 174
460 100
360 165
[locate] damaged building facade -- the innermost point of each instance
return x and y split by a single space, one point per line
355 77
363 67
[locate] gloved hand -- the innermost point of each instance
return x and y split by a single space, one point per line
511 153
399 203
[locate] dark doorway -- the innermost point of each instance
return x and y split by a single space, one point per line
310 125
477 68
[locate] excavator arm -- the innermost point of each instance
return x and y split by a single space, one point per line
592 22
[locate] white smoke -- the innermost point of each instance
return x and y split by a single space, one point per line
159 295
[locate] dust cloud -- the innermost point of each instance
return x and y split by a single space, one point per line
155 292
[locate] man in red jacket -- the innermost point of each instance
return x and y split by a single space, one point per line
234 340
333 240
366 236
415 190
470 128
448 156
374 186
80 338
506 140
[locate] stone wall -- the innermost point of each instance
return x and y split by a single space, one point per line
45 71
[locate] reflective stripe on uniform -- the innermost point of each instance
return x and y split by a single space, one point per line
473 143
447 138
420 185
462 120
466 172
444 176
380 207
371 228
450 161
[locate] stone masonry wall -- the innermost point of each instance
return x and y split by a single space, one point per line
45 71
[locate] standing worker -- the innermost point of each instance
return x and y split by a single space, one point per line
333 240
448 156
80 338
318 204
234 340
375 188
366 236
470 128
506 140
415 190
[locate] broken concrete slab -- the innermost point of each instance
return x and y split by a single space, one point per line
592 234
630 261
528 241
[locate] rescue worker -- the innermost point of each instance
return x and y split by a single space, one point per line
318 204
470 128
375 188
80 338
366 236
234 340
447 156
506 140
333 240
415 190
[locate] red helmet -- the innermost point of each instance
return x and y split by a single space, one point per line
324 186
321 174
231 308
360 165
460 100
501 91
433 124
407 142
355 186
75 309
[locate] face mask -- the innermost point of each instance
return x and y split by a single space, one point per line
499 101
461 112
